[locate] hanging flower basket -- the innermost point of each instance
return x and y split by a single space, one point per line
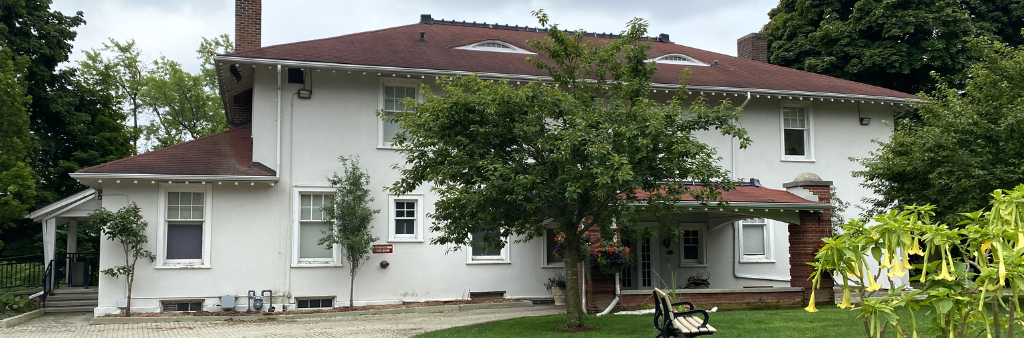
610 257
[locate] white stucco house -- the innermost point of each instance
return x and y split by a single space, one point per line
238 210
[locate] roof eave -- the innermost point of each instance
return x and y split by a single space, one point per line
173 178
224 60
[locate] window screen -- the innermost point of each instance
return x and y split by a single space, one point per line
405 217
691 245
794 123
393 97
480 249
185 241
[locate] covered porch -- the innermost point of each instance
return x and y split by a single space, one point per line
66 265
751 253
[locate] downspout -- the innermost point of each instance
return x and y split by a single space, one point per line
614 301
583 284
277 173
278 167
733 171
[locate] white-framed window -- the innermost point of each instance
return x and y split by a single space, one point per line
183 238
692 244
480 253
797 135
392 94
311 224
548 257
755 240
405 218
678 59
495 46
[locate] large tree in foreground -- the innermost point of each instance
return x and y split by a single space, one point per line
576 151
965 145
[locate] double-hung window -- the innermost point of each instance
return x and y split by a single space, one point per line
796 133
184 235
393 95
754 240
405 218
482 252
550 259
692 246
314 225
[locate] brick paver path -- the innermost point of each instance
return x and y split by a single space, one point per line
392 325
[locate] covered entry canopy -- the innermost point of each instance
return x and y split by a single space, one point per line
69 211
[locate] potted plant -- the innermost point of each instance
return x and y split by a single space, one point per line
698 281
556 285
610 257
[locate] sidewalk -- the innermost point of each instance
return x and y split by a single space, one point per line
396 325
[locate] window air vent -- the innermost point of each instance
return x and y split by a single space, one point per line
182 306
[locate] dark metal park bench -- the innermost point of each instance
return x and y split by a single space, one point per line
682 324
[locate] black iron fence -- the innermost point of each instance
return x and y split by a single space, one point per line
22 272
80 269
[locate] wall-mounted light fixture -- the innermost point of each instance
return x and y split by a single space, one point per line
863 120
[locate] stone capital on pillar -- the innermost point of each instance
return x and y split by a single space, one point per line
806 237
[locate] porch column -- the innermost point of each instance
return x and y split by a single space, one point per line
805 237
49 239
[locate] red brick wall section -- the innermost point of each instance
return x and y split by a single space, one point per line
805 239
248 21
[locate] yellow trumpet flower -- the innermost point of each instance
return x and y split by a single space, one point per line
945 273
874 234
1002 267
846 299
885 260
906 262
1020 241
990 287
810 307
985 246
872 286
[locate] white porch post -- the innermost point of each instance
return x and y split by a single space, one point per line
49 239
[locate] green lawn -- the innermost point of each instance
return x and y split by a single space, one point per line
829 321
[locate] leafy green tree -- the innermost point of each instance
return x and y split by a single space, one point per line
577 152
17 184
891 44
351 215
127 227
73 125
183 106
964 145
123 74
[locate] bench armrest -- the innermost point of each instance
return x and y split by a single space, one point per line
693 312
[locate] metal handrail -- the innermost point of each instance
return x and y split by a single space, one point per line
48 282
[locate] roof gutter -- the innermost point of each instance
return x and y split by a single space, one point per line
437 72
736 206
173 178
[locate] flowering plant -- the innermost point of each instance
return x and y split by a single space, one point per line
559 250
610 257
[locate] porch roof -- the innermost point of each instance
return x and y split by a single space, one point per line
68 203
755 196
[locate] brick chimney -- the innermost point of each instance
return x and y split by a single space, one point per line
248 22
753 46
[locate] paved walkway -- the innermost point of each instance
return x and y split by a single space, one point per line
393 325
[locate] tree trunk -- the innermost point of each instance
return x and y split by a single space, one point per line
573 295
128 307
351 289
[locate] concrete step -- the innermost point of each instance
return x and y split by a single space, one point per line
80 296
542 301
71 303
90 290
68 309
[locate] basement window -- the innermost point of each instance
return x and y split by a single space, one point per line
678 59
315 303
182 306
495 46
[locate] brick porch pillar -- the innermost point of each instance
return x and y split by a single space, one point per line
805 237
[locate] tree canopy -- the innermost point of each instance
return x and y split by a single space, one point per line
891 44
966 144
574 152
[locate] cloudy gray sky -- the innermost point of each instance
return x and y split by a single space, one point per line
174 28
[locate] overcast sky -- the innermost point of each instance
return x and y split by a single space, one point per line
175 27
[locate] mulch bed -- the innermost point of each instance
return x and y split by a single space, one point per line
338 309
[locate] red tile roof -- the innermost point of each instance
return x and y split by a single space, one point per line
399 47
750 194
227 153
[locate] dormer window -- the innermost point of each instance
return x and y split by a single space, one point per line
678 59
495 46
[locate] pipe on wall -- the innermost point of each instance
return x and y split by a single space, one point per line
734 149
614 301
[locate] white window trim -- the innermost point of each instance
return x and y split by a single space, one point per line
691 61
502 258
769 248
809 142
702 240
380 104
511 48
418 237
544 253
297 262
161 241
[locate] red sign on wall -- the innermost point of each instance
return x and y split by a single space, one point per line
383 248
